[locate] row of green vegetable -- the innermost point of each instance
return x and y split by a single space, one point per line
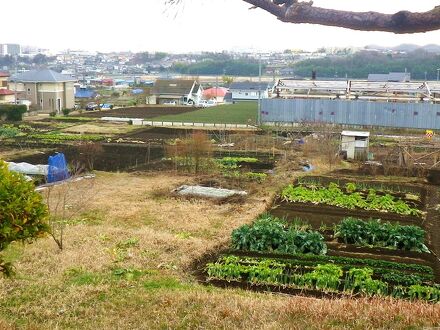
323 277
349 198
268 233
395 188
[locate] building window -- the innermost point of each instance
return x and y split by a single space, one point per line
246 94
28 91
416 113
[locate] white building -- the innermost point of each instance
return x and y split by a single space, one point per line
249 91
355 144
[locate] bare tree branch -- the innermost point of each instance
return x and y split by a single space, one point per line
401 22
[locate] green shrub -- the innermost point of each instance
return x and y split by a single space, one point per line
66 112
12 112
22 211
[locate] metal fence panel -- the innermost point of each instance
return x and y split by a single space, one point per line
404 115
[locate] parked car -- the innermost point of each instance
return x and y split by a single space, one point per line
92 106
106 106
207 103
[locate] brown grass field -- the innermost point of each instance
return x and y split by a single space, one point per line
125 266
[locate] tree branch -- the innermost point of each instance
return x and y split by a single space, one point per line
305 12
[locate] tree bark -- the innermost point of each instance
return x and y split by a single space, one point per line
399 23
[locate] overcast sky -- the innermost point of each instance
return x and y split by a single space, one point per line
212 25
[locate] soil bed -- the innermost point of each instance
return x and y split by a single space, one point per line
109 157
137 112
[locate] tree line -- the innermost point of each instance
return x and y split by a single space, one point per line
421 64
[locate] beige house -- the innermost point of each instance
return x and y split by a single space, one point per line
47 90
6 95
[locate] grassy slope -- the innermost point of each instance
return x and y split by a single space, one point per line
125 265
239 113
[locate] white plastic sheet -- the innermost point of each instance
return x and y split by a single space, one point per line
28 169
208 192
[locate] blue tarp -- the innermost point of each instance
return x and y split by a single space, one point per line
85 94
57 168
137 91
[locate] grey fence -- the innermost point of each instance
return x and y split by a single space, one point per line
362 113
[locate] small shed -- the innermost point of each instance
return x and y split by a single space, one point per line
355 144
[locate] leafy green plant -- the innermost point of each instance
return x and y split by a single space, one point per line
258 177
9 131
268 233
335 196
375 233
360 280
23 215
325 277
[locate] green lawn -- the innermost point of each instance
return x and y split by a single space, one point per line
239 113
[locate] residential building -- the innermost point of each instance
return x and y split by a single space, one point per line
10 49
180 91
6 95
47 90
249 91
4 79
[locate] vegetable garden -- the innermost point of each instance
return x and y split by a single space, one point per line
345 254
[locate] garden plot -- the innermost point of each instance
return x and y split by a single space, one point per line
291 257
327 236
324 201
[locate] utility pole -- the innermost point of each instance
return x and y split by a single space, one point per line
259 92
15 81
438 74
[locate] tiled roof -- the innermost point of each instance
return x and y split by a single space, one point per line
41 76
4 74
6 92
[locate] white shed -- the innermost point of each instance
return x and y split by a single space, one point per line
355 144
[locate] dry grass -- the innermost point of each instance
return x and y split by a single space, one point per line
125 265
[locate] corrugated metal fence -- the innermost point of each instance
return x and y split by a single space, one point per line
405 115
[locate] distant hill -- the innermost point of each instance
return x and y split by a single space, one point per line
432 48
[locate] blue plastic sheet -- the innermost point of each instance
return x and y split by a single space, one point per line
57 168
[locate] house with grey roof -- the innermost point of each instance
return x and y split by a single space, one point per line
47 90
249 91
179 91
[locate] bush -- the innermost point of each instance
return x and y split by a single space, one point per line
12 112
23 214
66 112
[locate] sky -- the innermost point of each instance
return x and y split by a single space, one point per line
197 25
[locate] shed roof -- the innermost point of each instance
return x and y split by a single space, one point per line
41 76
174 86
355 133
4 74
249 85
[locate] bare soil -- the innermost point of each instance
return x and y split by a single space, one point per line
144 112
